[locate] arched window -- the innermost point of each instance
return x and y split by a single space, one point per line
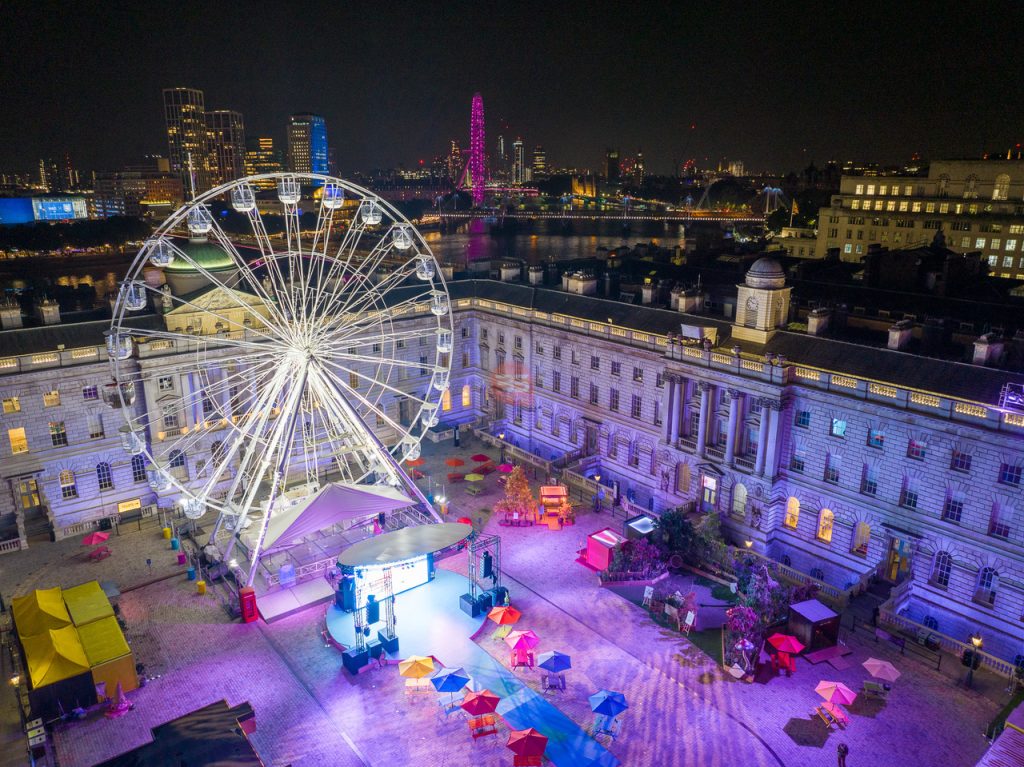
971 187
792 512
467 396
446 400
988 584
138 468
943 188
942 567
825 520
103 476
861 538
68 489
739 501
750 312
1001 190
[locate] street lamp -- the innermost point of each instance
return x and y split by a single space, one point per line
501 436
973 660
748 543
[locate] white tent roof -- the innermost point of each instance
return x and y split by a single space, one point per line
333 503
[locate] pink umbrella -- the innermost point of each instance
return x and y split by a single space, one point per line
522 640
836 692
93 538
505 468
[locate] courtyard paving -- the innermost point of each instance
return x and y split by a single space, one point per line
683 709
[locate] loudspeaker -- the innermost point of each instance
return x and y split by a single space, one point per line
389 643
353 660
105 523
469 605
345 596
487 564
372 609
498 594
484 602
375 648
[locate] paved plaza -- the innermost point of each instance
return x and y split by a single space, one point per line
683 709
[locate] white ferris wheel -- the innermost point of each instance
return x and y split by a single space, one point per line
298 342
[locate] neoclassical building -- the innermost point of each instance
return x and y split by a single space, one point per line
835 458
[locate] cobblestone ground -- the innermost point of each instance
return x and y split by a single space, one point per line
683 711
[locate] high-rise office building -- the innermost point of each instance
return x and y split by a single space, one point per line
611 166
307 143
518 162
454 162
226 140
540 163
261 157
187 142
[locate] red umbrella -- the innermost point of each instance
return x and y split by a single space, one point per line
505 468
522 640
482 702
93 538
416 474
416 462
785 643
481 458
504 616
464 521
455 462
527 742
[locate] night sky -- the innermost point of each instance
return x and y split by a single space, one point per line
775 85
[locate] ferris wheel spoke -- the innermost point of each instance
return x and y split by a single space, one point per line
392 336
375 382
359 441
345 325
374 405
218 340
361 271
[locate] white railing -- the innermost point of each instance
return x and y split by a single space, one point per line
836 597
6 547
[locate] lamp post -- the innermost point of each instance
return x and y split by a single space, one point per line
975 659
501 436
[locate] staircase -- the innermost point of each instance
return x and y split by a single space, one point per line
37 524
865 605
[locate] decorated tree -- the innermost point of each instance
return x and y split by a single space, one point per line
518 496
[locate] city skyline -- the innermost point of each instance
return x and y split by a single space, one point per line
776 107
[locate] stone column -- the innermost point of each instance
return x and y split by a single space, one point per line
730 437
684 408
762 435
705 408
772 454
671 404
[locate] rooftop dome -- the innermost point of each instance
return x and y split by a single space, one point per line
766 273
206 254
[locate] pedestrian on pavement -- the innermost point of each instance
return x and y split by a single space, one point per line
843 750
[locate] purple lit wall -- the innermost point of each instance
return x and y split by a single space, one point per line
477 161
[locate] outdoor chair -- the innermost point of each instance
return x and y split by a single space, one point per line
482 726
418 687
474 490
605 725
825 716
552 682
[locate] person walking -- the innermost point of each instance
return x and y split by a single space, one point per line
843 750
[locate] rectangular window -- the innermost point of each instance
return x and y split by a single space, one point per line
613 400
593 394
831 469
659 380
90 393
595 363
95 426
876 438
465 332
916 450
979 243
556 352
960 461
638 375
909 497
539 349
465 359
501 338
1009 474
657 413
353 380
574 358
997 526
423 365
483 334
138 469
12 405
68 489
803 419
636 408
797 462
1011 245
838 427
18 440
58 435
574 387
51 398
616 368
170 418
165 383
556 380
519 342
869 482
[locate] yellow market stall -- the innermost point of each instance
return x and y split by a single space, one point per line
87 603
40 611
110 658
58 672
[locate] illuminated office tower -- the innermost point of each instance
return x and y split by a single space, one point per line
261 157
307 143
540 163
226 136
185 118
612 170
518 162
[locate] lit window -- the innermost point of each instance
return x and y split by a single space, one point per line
838 427
848 248
467 396
979 243
876 438
996 243
825 521
871 189
68 489
18 440
916 450
103 476
859 189
1007 262
12 405
883 189
915 208
1011 245
861 538
792 512
446 400
51 398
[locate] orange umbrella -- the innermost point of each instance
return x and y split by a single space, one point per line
527 742
455 462
482 702
416 462
504 616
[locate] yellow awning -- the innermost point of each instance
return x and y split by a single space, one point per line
40 611
87 603
102 640
53 656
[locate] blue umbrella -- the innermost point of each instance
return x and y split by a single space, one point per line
608 703
450 680
555 662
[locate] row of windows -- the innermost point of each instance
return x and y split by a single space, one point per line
1000 188
18 439
104 476
50 399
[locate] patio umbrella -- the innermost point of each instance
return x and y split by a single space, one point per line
527 742
522 640
464 521
554 661
416 462
416 666
93 538
836 692
505 468
450 680
785 643
455 462
504 616
881 669
483 702
608 703
474 477
416 474
481 458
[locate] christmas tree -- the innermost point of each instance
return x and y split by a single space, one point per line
518 496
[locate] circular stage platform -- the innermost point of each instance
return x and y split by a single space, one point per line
407 543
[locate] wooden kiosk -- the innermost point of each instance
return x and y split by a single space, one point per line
555 511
